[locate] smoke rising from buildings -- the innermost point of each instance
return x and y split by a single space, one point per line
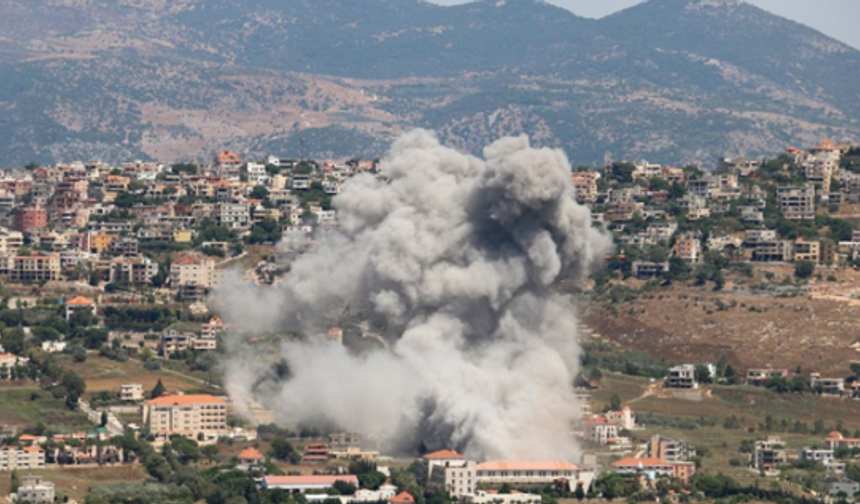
451 260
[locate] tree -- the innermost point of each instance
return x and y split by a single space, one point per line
158 390
804 269
283 450
210 451
579 493
259 192
14 482
104 419
74 384
372 480
623 172
703 374
614 403
344 488
79 354
855 368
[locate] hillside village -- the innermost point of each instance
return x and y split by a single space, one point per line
104 322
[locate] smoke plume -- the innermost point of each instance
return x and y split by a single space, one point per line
451 260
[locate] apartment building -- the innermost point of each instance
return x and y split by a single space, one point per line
192 276
797 203
527 473
585 185
29 219
189 415
654 467
769 453
600 430
131 392
670 450
21 457
688 248
233 215
132 270
683 376
36 491
807 250
36 268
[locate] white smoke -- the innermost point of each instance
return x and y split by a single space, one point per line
455 258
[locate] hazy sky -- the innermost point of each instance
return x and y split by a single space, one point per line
837 18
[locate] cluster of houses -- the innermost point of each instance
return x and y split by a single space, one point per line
108 218
733 188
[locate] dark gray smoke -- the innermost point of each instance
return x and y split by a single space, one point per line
455 256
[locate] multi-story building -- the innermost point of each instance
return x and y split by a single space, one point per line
455 479
797 203
132 270
600 430
769 453
29 219
188 415
670 450
425 465
807 251
688 248
774 251
683 376
79 304
758 377
585 185
233 215
131 392
36 268
192 276
528 473
653 467
828 386
36 491
21 457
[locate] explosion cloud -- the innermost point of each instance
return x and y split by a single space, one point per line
455 257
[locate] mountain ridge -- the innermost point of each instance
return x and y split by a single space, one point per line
672 81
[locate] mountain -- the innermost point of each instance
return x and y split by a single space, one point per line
672 81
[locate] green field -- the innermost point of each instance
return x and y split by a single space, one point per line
17 407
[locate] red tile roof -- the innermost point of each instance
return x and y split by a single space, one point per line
402 498
80 301
644 462
327 480
443 454
186 400
251 453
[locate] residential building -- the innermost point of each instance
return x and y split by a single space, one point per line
754 237
301 484
189 415
816 455
138 270
131 392
316 453
807 251
683 377
424 466
843 486
192 276
769 454
827 386
774 251
36 268
233 215
29 219
758 377
251 456
796 203
688 248
455 478
520 473
494 497
35 491
601 430
402 498
670 450
624 418
652 468
585 185
650 269
836 440
21 457
79 304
